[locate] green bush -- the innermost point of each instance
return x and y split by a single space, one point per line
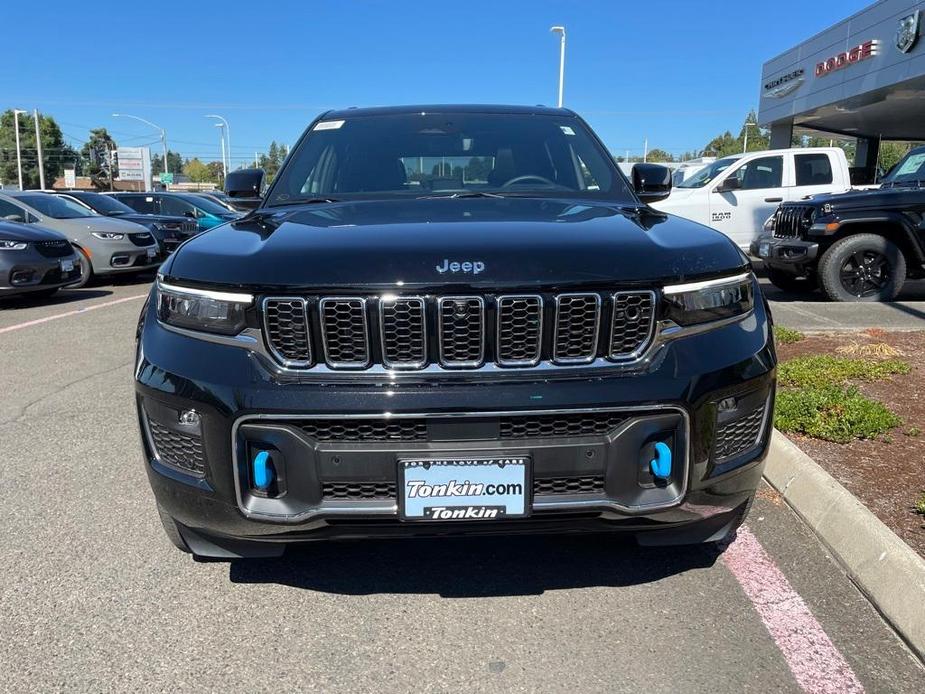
833 413
824 369
787 336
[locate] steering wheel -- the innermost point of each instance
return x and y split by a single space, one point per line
527 177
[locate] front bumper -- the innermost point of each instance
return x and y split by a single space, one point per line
788 253
241 403
28 270
131 259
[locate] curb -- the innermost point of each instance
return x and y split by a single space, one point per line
885 568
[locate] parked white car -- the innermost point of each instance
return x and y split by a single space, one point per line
735 195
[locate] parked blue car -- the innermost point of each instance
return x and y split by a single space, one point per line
207 213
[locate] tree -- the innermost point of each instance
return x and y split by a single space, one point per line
196 170
97 154
273 159
174 161
55 153
656 156
216 172
759 139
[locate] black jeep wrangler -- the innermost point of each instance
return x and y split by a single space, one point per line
856 246
453 319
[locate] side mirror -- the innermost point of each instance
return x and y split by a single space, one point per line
190 214
245 187
651 182
731 183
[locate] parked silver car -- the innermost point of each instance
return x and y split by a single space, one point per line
104 245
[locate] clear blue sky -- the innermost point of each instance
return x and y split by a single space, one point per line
675 72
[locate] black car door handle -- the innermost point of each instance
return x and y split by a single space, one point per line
773 199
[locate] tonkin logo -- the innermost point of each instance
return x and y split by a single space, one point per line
908 32
471 266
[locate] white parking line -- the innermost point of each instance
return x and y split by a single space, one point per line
817 665
46 319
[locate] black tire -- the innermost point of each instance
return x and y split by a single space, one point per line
790 283
865 267
86 269
170 528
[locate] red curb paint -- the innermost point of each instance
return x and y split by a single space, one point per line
817 665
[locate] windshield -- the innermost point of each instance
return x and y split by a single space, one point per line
205 204
707 174
441 154
104 204
55 207
910 169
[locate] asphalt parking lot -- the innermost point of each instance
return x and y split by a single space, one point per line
813 312
96 599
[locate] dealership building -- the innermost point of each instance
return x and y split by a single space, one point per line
863 77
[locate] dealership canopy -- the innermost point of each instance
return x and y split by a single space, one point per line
863 77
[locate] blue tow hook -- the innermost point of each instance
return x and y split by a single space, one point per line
263 471
660 465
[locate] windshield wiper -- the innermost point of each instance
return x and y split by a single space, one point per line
303 201
467 194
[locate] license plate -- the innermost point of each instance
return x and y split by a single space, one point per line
467 489
67 265
152 253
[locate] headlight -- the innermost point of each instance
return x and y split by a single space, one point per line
13 245
702 302
108 235
771 223
202 309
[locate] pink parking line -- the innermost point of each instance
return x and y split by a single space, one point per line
46 319
813 659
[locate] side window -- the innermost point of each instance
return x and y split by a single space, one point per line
8 209
813 169
145 204
766 172
175 206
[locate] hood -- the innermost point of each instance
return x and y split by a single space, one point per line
14 231
95 223
153 218
882 198
477 242
677 195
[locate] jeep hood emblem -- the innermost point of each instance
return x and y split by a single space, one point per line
473 267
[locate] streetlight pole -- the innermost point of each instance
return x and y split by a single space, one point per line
38 144
745 139
222 138
561 31
156 127
227 132
16 113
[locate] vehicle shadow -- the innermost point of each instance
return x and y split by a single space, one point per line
472 567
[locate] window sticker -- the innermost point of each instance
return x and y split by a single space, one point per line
912 164
567 130
329 125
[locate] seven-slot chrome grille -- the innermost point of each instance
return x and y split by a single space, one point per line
408 332
792 220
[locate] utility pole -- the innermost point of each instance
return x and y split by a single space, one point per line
38 144
16 113
561 31
645 150
256 163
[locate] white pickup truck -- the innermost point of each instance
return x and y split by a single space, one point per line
737 194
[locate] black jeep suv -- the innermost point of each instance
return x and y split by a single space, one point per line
857 246
445 320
